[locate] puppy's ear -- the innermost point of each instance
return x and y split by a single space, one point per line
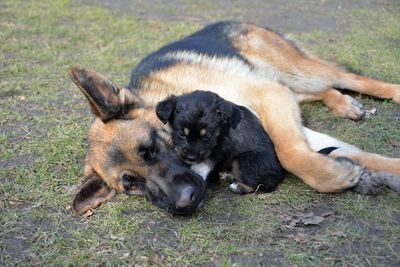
224 110
228 113
165 108
236 117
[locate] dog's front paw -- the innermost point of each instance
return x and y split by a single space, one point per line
352 174
350 108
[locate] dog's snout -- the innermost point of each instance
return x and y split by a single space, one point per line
186 198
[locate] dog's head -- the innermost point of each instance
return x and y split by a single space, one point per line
198 120
129 151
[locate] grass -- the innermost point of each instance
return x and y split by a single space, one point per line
44 119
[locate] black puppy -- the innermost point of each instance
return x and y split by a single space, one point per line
212 134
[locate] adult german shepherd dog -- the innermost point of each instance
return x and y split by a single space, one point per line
130 149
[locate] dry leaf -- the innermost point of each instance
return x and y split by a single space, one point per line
126 254
369 113
395 143
313 220
14 203
144 258
157 259
339 234
301 238
21 97
71 189
327 214
305 219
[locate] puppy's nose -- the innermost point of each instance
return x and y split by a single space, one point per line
187 197
192 158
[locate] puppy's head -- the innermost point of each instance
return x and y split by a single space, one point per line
198 120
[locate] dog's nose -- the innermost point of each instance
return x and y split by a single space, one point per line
186 198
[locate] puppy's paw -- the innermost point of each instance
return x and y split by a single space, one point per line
241 188
227 176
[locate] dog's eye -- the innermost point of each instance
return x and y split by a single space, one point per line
148 153
130 178
207 136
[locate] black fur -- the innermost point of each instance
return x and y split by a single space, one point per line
234 139
327 150
212 40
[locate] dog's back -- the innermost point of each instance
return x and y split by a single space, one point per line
213 41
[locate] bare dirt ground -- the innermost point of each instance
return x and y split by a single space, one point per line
281 15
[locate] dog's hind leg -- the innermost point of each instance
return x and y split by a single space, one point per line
278 60
341 105
280 115
315 76
372 161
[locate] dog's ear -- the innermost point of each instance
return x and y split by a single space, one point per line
165 108
107 100
92 193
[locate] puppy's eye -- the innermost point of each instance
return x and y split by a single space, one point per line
207 136
181 134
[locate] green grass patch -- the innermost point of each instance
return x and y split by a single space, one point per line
44 120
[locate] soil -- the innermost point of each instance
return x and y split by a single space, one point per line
280 15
